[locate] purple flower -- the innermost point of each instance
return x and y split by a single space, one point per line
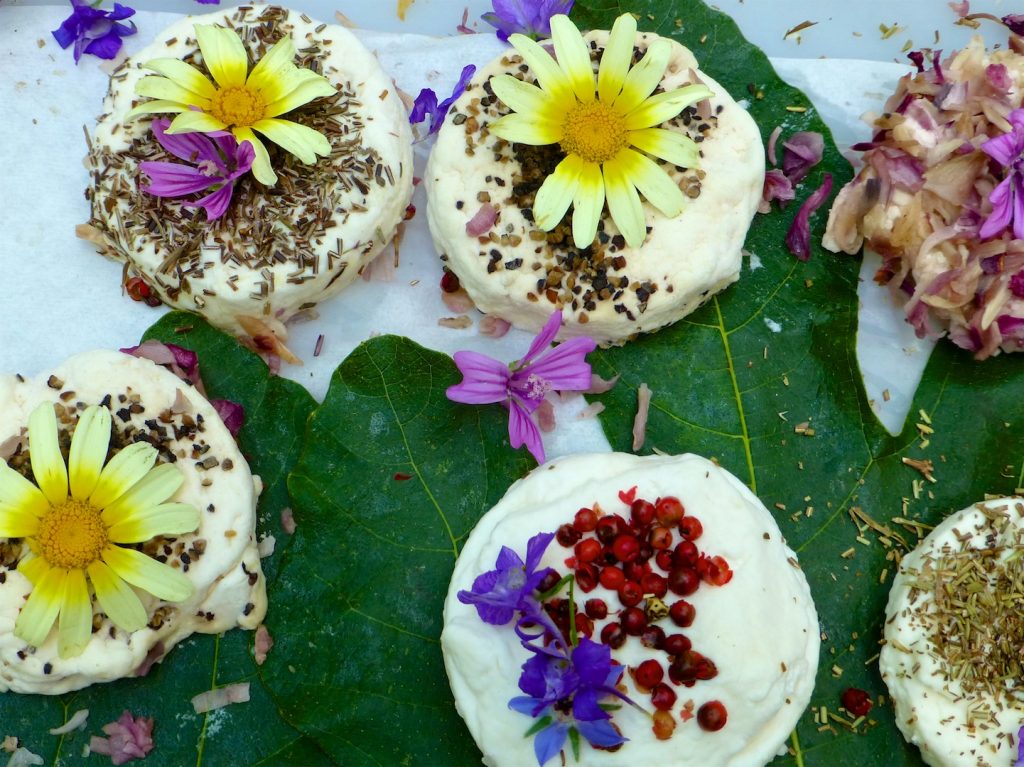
1020 749
216 158
566 692
1008 197
498 593
426 103
523 385
1015 21
94 31
525 17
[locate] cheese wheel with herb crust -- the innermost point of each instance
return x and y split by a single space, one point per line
759 629
608 291
278 250
220 557
953 638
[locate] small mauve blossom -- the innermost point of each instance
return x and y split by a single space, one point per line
94 31
128 738
1015 21
499 593
426 106
524 384
1008 197
525 17
216 159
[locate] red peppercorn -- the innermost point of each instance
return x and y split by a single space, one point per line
683 581
641 512
584 625
630 593
609 527
613 635
856 701
712 716
648 674
686 554
663 725
612 578
596 609
663 559
449 282
586 577
587 550
653 636
677 644
633 621
567 535
690 528
669 510
714 570
652 583
626 547
660 538
682 613
585 520
663 697
548 581
635 570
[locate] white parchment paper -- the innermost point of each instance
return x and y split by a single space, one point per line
60 297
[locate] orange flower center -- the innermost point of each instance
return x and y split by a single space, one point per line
238 106
72 535
594 131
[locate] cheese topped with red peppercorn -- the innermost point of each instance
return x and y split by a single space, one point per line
724 658
220 558
953 634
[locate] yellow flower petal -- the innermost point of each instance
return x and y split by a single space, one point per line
152 490
526 129
556 193
47 462
573 56
195 122
165 519
155 107
183 74
624 204
587 205
88 451
17 522
139 570
74 627
261 169
664 106
18 492
651 181
644 77
40 611
34 568
617 56
301 87
116 598
121 472
162 88
223 54
300 140
668 145
522 97
273 69
549 75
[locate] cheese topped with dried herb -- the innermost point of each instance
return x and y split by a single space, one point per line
953 637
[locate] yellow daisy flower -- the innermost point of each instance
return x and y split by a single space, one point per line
238 100
600 126
73 521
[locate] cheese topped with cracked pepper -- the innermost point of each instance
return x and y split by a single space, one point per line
521 274
760 629
219 558
958 693
279 250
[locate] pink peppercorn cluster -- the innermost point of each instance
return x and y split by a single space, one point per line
652 562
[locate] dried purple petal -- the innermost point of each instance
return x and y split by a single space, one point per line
803 151
798 239
426 104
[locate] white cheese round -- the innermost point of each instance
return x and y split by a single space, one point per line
278 250
955 726
514 272
760 629
219 558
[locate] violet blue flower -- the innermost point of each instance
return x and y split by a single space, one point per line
498 593
1008 197
566 692
426 104
216 159
94 31
1020 749
524 384
525 17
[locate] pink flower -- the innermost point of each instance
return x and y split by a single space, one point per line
1008 197
129 738
524 384
216 159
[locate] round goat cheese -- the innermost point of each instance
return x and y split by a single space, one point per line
953 636
760 628
608 291
278 250
220 557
